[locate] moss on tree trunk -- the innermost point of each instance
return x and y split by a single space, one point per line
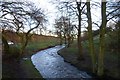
100 70
91 44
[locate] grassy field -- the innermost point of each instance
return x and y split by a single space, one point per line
110 60
24 68
33 46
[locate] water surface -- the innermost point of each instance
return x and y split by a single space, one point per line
52 65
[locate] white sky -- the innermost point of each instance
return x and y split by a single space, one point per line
50 11
48 8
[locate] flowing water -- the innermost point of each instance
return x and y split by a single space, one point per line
52 65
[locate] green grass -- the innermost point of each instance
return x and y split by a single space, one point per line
110 59
37 45
32 47
14 51
26 65
29 69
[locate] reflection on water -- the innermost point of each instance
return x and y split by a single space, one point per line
51 65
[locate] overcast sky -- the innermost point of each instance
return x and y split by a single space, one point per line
50 10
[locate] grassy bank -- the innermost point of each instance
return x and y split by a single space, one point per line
110 60
12 68
29 69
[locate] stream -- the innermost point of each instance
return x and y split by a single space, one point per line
51 65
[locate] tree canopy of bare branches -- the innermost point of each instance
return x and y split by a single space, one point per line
21 17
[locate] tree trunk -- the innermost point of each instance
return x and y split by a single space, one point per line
25 40
100 71
6 46
22 44
69 40
65 38
118 50
91 44
79 33
60 39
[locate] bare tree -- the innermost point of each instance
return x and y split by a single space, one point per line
20 15
64 29
102 39
59 31
90 35
74 9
